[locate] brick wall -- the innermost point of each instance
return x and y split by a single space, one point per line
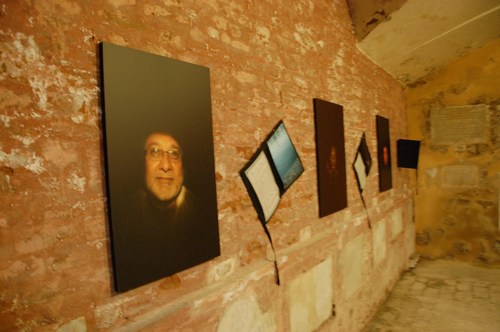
268 60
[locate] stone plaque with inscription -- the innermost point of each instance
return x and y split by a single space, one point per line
461 124
460 176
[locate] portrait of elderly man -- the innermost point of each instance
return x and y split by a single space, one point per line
166 230
160 165
164 176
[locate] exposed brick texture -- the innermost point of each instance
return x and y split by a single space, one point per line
268 60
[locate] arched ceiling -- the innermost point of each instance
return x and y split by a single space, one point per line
410 39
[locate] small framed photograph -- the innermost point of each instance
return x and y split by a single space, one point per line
264 190
362 163
271 171
283 156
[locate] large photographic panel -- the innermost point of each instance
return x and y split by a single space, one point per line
330 152
160 165
384 154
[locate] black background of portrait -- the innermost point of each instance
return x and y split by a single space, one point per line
143 93
332 186
383 140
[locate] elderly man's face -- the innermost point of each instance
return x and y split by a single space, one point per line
164 175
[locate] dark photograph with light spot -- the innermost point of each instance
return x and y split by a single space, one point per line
384 154
330 154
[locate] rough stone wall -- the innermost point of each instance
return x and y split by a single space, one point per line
458 181
268 60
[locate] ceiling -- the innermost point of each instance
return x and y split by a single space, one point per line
410 39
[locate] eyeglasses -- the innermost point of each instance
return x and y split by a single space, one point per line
157 154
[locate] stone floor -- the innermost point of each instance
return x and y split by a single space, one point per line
442 295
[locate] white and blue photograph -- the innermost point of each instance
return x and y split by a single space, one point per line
284 156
